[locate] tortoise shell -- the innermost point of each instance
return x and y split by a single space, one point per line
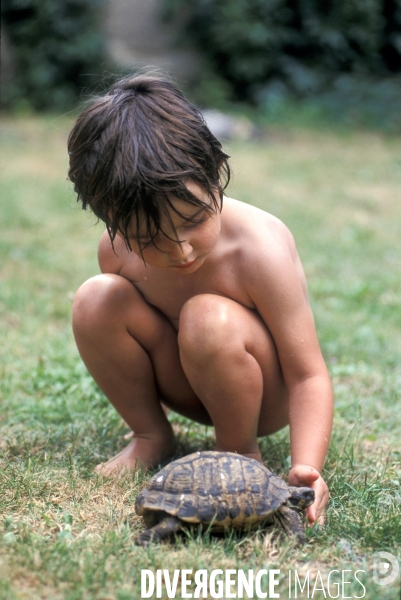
223 489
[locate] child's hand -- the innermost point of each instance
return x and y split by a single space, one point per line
304 475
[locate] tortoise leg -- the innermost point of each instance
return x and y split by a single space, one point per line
159 532
291 521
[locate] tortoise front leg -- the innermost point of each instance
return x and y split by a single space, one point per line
291 521
159 532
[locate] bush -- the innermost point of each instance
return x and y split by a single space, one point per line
58 50
265 49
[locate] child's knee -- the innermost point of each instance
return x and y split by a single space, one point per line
205 325
97 299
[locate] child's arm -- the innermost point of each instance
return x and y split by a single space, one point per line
276 284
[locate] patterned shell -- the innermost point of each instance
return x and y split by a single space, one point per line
227 489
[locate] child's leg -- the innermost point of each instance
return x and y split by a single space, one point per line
231 362
131 351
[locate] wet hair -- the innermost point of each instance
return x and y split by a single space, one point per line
135 147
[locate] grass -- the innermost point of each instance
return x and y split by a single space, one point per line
68 534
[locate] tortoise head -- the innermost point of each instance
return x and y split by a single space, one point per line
300 497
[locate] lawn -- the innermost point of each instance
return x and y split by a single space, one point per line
68 534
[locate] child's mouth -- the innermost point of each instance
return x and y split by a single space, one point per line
184 265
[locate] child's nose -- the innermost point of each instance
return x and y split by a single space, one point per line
180 251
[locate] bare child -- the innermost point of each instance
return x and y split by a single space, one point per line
202 303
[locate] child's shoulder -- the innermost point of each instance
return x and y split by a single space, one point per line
266 255
269 266
257 230
112 256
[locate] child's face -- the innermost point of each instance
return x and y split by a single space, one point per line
198 238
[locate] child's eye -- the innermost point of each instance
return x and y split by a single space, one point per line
141 243
190 224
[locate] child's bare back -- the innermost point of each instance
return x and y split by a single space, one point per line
202 301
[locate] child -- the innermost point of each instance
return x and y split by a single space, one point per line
202 303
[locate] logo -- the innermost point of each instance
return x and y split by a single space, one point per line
385 568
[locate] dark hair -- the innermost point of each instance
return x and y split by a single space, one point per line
139 143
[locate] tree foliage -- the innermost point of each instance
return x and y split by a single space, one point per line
58 49
297 48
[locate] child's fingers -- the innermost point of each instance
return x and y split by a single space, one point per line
315 513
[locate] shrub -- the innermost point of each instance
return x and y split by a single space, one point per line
58 50
264 49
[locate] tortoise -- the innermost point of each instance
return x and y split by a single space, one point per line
219 491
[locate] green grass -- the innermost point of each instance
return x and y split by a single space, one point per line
68 534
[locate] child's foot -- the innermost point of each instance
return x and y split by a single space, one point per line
140 453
